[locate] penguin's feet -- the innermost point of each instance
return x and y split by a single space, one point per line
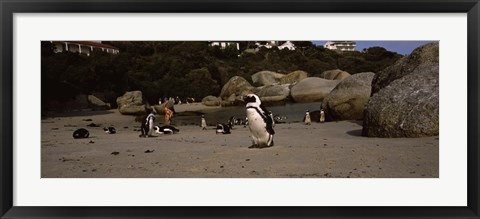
253 146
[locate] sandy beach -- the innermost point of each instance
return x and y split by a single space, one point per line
332 149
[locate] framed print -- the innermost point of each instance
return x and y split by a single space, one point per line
239 109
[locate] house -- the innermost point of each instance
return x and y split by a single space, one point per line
83 47
224 44
266 44
287 45
341 45
279 44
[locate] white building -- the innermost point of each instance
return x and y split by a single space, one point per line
224 45
83 47
270 44
341 45
287 45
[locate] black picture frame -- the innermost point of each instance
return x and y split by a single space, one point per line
10 7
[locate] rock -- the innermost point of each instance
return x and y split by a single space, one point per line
348 99
293 77
407 107
131 103
336 74
424 55
273 94
312 89
263 78
232 100
96 103
211 101
236 85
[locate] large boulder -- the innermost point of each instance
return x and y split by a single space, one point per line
348 99
407 107
273 94
131 103
293 77
95 103
211 101
263 78
424 55
232 100
335 74
236 85
312 89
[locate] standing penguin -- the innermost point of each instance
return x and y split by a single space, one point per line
322 116
260 122
204 123
308 121
149 122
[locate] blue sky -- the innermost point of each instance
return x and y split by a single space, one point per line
400 47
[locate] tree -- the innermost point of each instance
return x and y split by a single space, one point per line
201 83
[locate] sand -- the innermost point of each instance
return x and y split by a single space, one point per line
332 149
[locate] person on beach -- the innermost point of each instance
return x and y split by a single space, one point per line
177 100
168 114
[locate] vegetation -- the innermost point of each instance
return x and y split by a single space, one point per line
187 69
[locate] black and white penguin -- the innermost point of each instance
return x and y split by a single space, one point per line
223 128
166 129
81 133
110 130
239 121
231 122
322 116
203 123
150 123
260 122
307 119
279 119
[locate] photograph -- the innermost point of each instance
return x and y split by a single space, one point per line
229 109
320 108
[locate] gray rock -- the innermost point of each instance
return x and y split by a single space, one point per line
263 78
236 85
95 103
407 107
312 89
336 74
211 101
423 55
131 103
293 77
273 94
348 99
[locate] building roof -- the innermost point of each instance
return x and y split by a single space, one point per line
92 43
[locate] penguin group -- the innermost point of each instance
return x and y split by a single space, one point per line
260 122
317 116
